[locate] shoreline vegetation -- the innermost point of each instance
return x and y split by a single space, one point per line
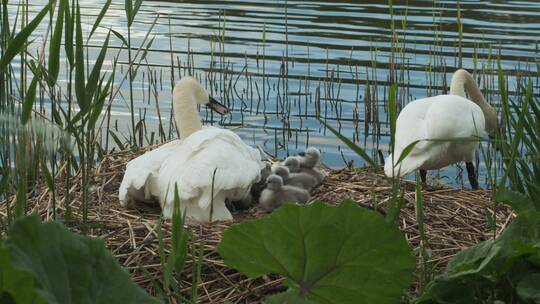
62 157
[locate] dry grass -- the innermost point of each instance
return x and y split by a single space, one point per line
454 219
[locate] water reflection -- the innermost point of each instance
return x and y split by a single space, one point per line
282 64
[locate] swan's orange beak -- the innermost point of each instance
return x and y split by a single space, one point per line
216 106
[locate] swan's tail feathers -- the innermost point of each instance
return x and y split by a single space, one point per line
137 185
406 166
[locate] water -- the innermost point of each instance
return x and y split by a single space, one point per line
280 65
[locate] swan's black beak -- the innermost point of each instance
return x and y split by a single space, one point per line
302 153
216 106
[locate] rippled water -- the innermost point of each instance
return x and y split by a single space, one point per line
281 64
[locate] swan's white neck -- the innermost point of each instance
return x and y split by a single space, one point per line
462 84
185 111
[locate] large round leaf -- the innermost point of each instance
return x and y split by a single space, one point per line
342 254
15 286
69 268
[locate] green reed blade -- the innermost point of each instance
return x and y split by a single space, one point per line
79 64
30 98
408 149
117 140
358 150
47 174
136 8
392 114
94 75
68 36
128 7
97 107
99 17
119 36
18 43
54 47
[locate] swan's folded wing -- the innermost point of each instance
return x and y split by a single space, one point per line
410 125
455 117
139 182
237 166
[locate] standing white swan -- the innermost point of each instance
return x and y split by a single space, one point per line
190 163
442 117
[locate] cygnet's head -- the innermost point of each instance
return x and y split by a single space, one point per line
191 86
311 157
282 171
266 171
292 163
274 182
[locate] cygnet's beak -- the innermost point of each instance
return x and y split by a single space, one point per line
216 106
302 153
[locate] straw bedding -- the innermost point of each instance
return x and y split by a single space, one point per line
454 219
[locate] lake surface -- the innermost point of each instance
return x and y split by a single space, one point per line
281 65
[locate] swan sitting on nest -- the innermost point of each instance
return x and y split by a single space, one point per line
190 163
443 117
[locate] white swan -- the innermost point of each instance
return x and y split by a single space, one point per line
190 163
442 117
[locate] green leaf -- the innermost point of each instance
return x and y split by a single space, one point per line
406 151
473 259
138 4
47 175
100 17
17 44
16 285
97 107
447 291
68 37
288 297
30 98
342 254
519 202
128 7
96 70
523 232
492 269
119 36
392 114
70 268
117 140
359 151
56 41
79 64
179 239
179 235
528 288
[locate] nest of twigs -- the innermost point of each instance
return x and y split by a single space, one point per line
454 219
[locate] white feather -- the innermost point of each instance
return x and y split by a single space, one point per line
438 117
237 167
140 179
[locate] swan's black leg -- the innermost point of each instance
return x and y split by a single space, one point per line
381 157
472 175
423 174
